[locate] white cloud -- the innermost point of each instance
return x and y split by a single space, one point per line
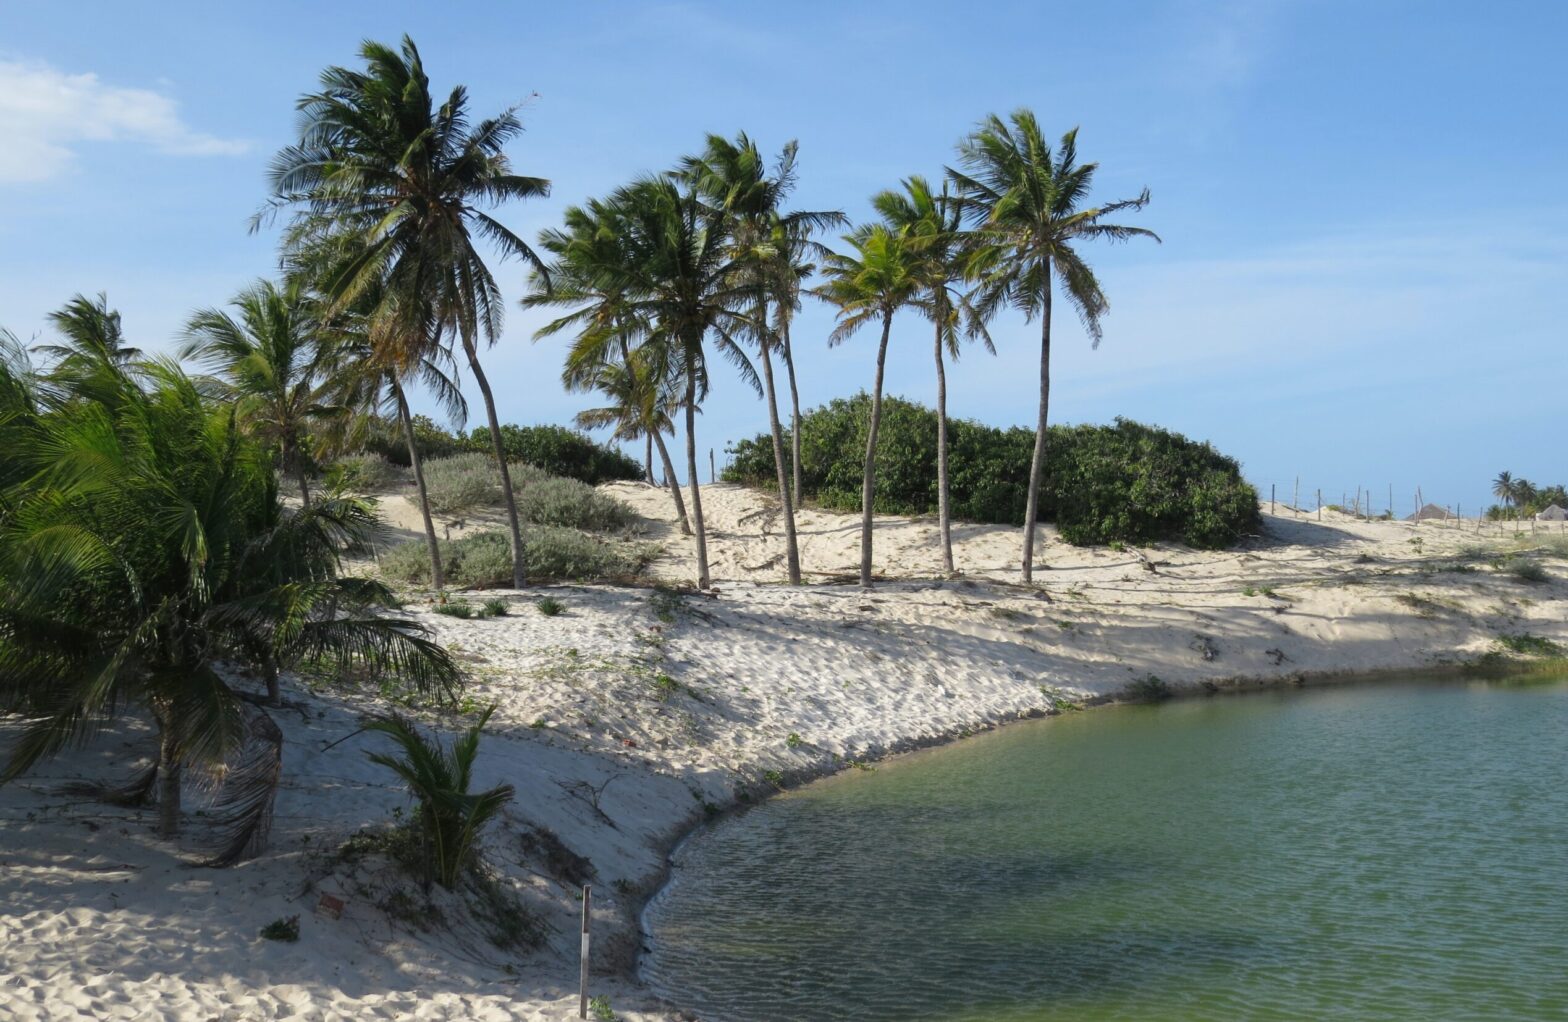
46 113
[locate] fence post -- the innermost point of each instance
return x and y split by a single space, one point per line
582 974
1320 505
1295 499
1271 498
713 474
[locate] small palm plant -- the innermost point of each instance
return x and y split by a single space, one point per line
449 817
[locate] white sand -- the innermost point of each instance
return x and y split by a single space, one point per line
99 919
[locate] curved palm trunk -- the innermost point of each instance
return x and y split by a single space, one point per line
868 488
943 515
168 775
791 549
437 576
647 462
675 486
794 412
1037 464
304 488
703 581
514 529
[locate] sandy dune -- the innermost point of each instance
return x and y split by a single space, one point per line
627 718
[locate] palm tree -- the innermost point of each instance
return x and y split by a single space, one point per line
380 162
659 263
641 398
1504 487
881 277
91 332
791 270
932 222
270 362
144 546
1026 199
734 177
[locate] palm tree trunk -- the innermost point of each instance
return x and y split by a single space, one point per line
794 414
943 515
168 776
1037 463
791 549
304 488
703 581
514 528
269 671
648 461
675 486
868 488
437 576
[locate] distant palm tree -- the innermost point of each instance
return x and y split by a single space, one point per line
270 361
91 330
791 269
1504 487
735 178
379 161
1027 200
932 222
881 277
145 549
641 397
661 265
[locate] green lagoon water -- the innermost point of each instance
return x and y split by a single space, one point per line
1397 851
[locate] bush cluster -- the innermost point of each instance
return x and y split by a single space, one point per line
483 560
361 473
464 482
1125 482
555 450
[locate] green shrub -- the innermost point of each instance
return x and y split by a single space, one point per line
549 606
448 817
1526 644
432 441
495 608
560 452
457 609
1526 570
1121 483
361 473
1149 689
285 929
573 504
461 483
483 560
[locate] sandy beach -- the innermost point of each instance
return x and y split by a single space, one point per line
629 718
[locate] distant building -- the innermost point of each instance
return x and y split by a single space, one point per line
1553 513
1431 513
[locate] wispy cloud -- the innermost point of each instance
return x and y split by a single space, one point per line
45 115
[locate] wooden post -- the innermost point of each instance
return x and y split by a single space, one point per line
1271 498
1320 505
713 475
582 974
1295 498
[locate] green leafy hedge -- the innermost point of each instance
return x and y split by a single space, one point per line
555 449
1125 482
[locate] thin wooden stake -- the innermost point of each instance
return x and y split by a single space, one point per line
582 974
1295 498
713 474
1320 505
1271 498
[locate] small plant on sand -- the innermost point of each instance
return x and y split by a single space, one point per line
285 929
602 1012
665 686
495 608
1525 570
456 608
549 606
774 778
666 604
1525 644
1149 689
449 817
794 741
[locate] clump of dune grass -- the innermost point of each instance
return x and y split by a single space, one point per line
1525 644
1525 569
483 560
549 606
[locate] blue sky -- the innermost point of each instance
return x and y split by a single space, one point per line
1362 280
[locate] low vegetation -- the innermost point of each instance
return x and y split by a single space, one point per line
1126 482
552 450
483 560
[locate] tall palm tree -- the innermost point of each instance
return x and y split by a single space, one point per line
791 270
269 360
381 162
735 178
655 259
1027 199
932 223
143 547
91 331
881 277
